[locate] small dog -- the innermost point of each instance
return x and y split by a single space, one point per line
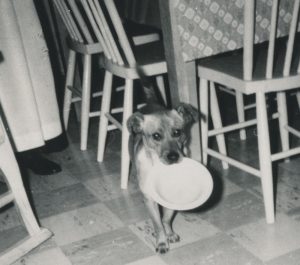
158 133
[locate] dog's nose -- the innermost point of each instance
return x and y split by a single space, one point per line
173 157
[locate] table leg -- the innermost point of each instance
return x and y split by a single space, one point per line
182 75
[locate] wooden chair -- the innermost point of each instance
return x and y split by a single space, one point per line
268 73
17 195
82 42
120 59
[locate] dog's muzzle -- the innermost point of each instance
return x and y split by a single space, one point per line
173 157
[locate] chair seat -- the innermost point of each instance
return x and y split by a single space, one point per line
141 33
150 57
227 69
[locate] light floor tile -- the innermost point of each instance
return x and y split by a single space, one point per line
190 227
216 250
129 209
269 241
292 258
154 260
81 223
117 247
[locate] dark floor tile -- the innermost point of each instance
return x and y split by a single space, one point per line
11 237
9 217
241 178
62 200
234 210
51 256
40 184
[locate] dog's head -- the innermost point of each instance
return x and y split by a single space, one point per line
165 132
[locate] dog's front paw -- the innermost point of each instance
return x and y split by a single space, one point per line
173 237
162 247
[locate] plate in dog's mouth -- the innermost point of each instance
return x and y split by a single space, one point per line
181 186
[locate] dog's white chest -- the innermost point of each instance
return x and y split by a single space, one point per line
145 162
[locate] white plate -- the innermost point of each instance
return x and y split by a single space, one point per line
181 186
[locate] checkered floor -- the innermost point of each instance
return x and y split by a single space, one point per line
96 223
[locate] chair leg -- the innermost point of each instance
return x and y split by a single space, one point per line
161 86
12 174
217 122
283 120
203 94
265 157
127 111
36 234
105 107
298 98
86 98
68 92
241 112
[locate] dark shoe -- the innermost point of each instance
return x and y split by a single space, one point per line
39 165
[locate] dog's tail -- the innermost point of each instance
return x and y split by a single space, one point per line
151 91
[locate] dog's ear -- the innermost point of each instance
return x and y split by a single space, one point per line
134 123
189 113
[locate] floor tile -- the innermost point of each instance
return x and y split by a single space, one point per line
230 187
235 210
154 260
242 179
269 241
293 165
117 247
3 186
81 223
287 190
40 184
292 258
108 187
52 256
9 217
190 227
11 236
216 250
62 200
129 209
87 170
294 213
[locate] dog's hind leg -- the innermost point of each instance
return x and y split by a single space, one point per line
168 216
162 244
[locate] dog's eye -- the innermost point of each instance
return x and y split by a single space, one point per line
156 136
177 133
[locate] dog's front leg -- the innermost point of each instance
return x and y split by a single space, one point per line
168 216
162 244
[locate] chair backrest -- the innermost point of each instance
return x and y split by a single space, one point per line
107 24
75 23
91 21
132 6
249 31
